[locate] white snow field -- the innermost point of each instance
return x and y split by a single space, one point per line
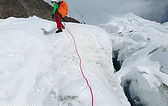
41 68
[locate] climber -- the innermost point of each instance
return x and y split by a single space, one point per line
58 16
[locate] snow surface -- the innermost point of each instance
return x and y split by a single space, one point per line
40 68
143 52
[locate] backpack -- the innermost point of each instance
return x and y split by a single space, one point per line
63 8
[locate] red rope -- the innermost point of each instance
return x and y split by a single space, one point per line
81 66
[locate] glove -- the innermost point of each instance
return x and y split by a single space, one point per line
52 15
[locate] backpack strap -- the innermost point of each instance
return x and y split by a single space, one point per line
59 3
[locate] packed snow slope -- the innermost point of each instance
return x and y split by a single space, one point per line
141 46
41 68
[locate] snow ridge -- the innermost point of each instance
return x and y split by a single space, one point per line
44 67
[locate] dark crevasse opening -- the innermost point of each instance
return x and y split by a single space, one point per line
133 101
116 63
